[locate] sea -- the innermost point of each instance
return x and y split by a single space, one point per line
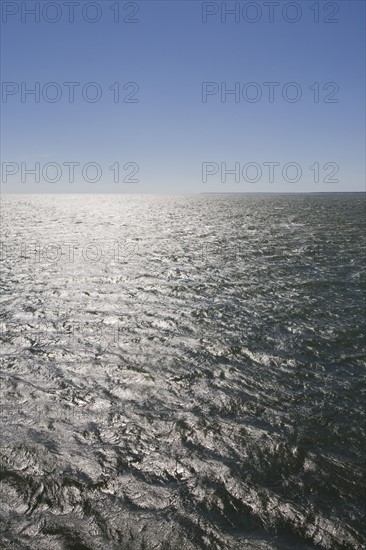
183 372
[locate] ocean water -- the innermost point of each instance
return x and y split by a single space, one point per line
182 372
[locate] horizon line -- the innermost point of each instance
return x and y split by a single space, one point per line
197 193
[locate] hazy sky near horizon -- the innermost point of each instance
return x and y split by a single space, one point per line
139 100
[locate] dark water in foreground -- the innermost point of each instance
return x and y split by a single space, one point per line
189 374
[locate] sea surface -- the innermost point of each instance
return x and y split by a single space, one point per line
182 372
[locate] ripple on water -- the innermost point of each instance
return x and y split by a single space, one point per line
200 389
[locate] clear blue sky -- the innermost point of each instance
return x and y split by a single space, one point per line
170 132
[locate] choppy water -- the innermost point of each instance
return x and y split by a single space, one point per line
200 389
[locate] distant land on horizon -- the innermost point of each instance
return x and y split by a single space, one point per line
283 193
